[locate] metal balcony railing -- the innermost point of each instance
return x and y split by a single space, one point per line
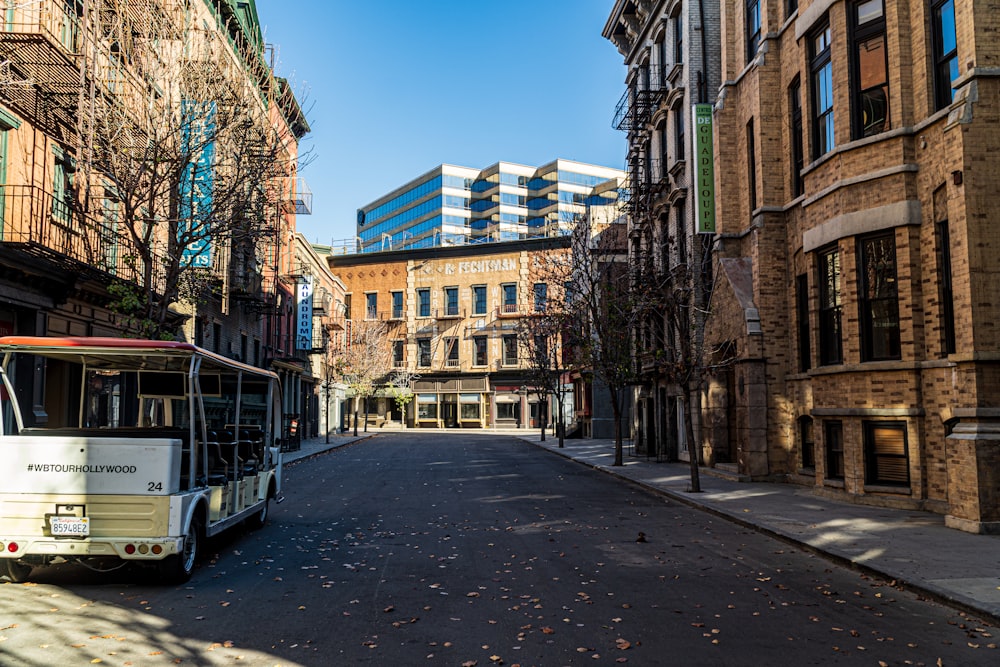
509 310
38 221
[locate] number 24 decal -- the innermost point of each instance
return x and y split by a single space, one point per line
155 486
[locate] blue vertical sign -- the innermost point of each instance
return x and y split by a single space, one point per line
303 325
195 195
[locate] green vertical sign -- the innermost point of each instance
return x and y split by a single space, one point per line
704 172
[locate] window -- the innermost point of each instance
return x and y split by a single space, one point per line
661 131
946 296
830 346
541 297
347 306
945 52
541 343
423 302
371 306
680 231
509 297
834 432
469 406
427 408
886 457
62 186
451 301
822 92
510 350
397 305
791 6
751 166
878 298
663 48
479 343
109 230
509 411
752 28
797 153
479 299
424 352
802 315
451 352
680 147
806 444
869 69
398 346
678 38
217 337
68 24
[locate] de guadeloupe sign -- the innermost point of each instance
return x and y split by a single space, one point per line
704 174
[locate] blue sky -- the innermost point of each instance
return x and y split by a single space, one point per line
393 88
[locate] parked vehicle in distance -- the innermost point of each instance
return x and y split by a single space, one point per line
115 451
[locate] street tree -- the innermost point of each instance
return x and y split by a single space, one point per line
363 360
180 174
400 388
541 334
605 307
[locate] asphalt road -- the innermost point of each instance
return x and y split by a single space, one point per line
469 549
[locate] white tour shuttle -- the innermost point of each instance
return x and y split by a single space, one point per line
116 450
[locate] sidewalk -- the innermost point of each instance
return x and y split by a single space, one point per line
913 548
318 445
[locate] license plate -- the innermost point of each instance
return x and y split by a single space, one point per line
69 526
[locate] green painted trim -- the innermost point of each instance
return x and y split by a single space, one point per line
8 121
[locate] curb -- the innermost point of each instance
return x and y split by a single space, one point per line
916 588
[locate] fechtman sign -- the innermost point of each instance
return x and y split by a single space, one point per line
303 334
704 173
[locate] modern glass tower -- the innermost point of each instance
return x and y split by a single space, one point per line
452 205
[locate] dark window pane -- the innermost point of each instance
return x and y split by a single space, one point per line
878 299
886 455
830 347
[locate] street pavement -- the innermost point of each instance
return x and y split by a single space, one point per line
913 549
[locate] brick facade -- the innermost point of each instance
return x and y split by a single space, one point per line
917 420
495 383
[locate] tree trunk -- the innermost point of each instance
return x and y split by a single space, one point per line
542 419
561 426
616 410
692 445
355 416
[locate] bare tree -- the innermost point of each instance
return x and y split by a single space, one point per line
606 307
362 360
182 160
541 335
400 386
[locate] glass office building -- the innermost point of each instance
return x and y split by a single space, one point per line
452 205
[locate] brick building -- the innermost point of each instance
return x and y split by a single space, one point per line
453 315
671 52
124 126
855 257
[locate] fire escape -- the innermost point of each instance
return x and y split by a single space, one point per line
60 231
647 183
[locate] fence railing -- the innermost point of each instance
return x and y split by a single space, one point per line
35 217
